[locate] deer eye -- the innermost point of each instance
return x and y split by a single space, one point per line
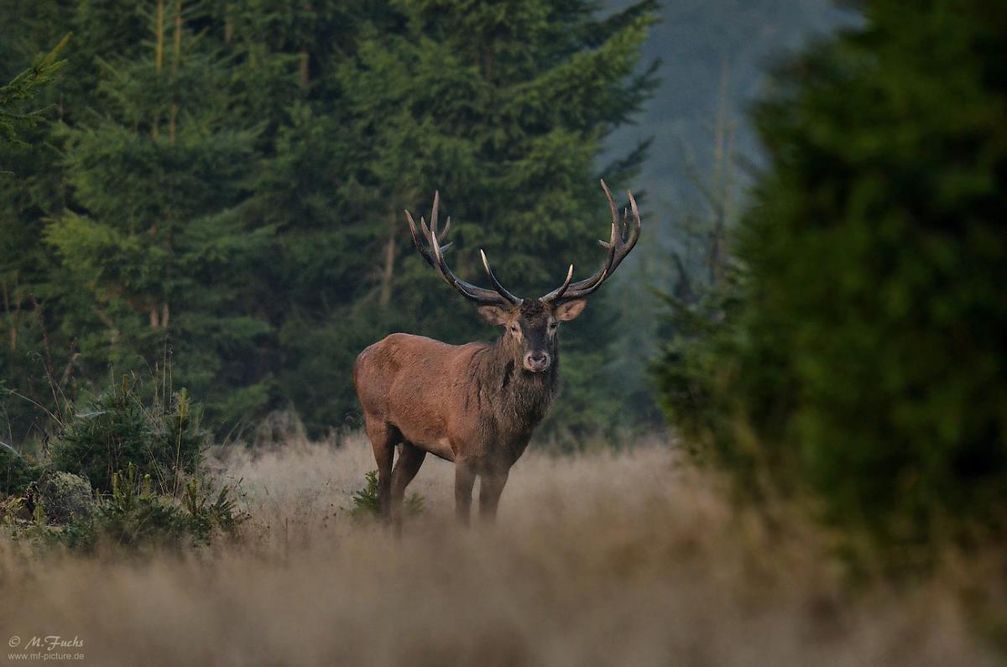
553 326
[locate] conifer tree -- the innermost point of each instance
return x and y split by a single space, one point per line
866 356
225 183
157 239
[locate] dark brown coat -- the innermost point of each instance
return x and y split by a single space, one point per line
475 404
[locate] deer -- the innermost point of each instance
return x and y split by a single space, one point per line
475 405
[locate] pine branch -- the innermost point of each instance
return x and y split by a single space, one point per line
24 87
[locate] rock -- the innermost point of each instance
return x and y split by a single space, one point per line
65 497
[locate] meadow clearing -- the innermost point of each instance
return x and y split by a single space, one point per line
625 557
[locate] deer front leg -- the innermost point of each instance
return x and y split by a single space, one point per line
465 477
491 485
383 442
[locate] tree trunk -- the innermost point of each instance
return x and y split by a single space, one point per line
228 24
11 317
159 37
389 270
158 55
305 68
723 182
176 56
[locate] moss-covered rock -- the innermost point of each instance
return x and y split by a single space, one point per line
64 497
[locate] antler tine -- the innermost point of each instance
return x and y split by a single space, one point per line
478 294
424 251
559 291
496 283
623 237
426 230
611 202
416 236
433 212
433 252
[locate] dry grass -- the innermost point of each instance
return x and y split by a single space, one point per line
605 559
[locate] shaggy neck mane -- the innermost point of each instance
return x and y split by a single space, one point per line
518 397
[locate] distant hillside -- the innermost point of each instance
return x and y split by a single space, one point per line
709 50
704 45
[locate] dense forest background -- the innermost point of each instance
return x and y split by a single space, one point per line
210 195
218 187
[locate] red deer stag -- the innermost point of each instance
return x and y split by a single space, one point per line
475 404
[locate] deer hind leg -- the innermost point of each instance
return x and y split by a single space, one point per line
408 464
491 485
383 438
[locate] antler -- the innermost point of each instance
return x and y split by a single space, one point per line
433 252
625 234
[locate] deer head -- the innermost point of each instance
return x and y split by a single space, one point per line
530 325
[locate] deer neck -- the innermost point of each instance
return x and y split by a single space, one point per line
519 398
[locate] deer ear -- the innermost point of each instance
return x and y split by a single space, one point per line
493 314
570 310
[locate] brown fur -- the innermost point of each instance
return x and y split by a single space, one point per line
475 404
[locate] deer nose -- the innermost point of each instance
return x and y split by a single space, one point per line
536 362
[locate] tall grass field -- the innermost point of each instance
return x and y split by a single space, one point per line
605 558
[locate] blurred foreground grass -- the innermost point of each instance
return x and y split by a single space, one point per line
629 558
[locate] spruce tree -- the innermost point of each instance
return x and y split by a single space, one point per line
867 357
225 186
30 367
157 240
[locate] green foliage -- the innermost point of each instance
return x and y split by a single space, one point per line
160 436
207 512
16 472
23 88
157 239
504 112
694 375
223 191
125 470
135 515
866 362
132 516
365 500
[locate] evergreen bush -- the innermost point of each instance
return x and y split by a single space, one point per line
16 472
161 437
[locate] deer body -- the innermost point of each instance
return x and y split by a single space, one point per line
478 404
485 417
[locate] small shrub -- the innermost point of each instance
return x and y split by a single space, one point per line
365 500
133 515
16 473
142 454
207 513
161 438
